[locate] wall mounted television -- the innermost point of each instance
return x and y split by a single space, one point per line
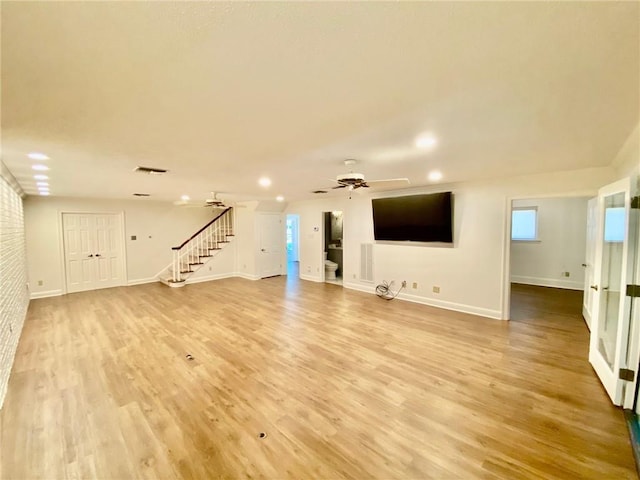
414 218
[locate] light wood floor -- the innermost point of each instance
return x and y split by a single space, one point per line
344 384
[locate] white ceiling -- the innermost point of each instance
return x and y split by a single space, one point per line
223 93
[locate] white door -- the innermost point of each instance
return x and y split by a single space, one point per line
93 251
611 308
589 261
270 233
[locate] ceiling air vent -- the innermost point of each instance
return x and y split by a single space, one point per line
141 194
319 191
150 170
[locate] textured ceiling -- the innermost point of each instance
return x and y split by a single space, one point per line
223 93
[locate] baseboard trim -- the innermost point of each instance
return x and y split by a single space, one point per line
456 307
47 294
246 276
142 281
208 278
359 287
310 278
547 282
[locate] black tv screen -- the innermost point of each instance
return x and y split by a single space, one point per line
414 218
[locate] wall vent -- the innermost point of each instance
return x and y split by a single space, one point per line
150 170
318 191
366 262
141 194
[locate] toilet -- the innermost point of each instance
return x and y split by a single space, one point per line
329 268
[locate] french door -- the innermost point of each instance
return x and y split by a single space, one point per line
93 251
614 265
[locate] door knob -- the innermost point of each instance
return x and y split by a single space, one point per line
91 255
262 250
585 265
97 254
595 287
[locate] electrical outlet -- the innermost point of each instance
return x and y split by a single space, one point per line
40 283
566 274
354 275
209 267
415 285
404 283
436 289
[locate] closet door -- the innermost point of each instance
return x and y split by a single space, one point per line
93 251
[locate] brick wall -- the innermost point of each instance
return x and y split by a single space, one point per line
14 295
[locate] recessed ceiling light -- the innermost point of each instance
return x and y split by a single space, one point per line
280 198
44 194
426 141
40 168
41 177
42 184
185 198
264 181
435 175
37 156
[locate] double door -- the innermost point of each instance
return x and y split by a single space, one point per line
93 251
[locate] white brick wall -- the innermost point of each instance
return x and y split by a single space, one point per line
14 296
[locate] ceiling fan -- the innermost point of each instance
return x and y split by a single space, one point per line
353 180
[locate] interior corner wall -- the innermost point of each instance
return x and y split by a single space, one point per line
471 273
14 296
561 245
157 227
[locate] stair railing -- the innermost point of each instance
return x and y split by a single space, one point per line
201 243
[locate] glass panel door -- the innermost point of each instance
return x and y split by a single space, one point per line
610 322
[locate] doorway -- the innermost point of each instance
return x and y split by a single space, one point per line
547 251
292 243
94 255
333 247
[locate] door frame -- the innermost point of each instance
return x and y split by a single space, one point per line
505 300
63 263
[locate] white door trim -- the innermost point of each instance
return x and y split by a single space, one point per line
63 265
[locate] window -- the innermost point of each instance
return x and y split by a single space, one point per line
524 223
614 224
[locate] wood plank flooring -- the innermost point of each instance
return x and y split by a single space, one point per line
344 384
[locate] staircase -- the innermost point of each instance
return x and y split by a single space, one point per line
196 251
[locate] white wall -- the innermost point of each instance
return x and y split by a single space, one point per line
14 296
157 226
471 274
561 245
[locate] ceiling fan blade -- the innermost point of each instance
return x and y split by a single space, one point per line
338 186
388 183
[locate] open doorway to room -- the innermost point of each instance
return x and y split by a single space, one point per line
293 245
332 247
548 261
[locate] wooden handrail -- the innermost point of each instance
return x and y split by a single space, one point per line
200 231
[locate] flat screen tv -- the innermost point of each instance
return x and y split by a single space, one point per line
414 218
